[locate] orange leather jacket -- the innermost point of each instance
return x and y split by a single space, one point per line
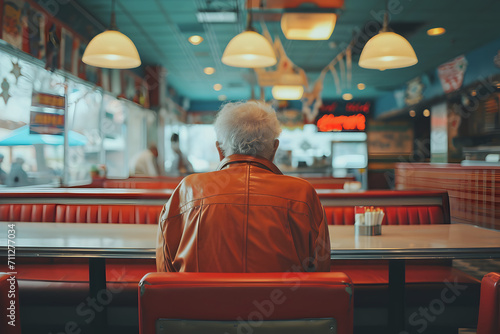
245 217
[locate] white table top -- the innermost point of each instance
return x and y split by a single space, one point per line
138 241
416 242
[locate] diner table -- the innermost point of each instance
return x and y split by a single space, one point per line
397 243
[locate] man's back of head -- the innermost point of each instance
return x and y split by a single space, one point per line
248 128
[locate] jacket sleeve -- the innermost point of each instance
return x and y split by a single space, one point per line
321 251
163 261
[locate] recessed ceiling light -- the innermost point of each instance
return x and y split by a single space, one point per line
412 113
436 31
361 86
217 87
217 17
347 96
209 70
427 113
195 39
222 97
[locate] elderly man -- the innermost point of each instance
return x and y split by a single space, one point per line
246 216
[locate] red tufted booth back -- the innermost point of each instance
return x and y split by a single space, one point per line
108 214
229 296
148 214
44 213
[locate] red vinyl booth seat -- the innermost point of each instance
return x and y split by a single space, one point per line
489 307
8 289
236 296
394 215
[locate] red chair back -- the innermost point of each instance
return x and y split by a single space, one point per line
247 298
489 305
9 304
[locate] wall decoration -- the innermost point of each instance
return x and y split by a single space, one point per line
5 91
36 21
66 56
75 56
53 38
81 65
451 74
12 25
414 91
390 139
496 59
16 70
284 67
311 97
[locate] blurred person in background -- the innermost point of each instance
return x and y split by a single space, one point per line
180 165
147 162
17 176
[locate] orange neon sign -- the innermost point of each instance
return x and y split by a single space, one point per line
342 123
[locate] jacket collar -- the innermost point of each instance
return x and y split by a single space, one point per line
254 160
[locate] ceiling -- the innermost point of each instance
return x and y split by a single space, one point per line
160 30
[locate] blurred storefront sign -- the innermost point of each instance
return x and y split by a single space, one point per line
343 116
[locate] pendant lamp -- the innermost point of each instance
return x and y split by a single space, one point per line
112 49
289 87
387 50
308 26
249 49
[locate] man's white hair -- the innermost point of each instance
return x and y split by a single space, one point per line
248 128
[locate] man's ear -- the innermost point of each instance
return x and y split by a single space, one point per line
221 152
275 148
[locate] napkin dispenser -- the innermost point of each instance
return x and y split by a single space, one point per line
368 220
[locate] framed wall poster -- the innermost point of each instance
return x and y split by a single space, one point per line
81 65
12 30
74 56
66 50
53 38
36 24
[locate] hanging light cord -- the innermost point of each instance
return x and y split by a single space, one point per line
113 17
250 21
385 25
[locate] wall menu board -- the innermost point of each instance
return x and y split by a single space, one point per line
343 116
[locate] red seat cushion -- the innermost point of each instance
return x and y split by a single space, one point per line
489 308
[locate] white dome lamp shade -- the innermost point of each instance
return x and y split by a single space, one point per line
387 50
112 49
249 49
